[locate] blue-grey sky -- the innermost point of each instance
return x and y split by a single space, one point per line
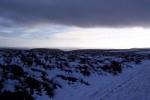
75 23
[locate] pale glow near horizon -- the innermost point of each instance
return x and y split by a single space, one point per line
136 37
108 38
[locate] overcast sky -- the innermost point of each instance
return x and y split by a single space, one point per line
75 23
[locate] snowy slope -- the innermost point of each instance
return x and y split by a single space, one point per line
132 84
43 74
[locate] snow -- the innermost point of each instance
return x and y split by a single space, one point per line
132 83
9 85
135 86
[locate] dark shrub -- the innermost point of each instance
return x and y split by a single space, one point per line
17 71
70 79
72 58
16 96
27 60
34 85
84 70
116 67
49 89
83 61
84 82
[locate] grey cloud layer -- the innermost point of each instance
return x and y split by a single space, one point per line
83 13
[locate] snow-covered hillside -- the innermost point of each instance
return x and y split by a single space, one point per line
43 74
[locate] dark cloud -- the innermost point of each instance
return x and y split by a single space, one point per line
76 12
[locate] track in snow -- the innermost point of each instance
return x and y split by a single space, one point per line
134 87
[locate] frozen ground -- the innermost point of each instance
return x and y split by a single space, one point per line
132 84
42 74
